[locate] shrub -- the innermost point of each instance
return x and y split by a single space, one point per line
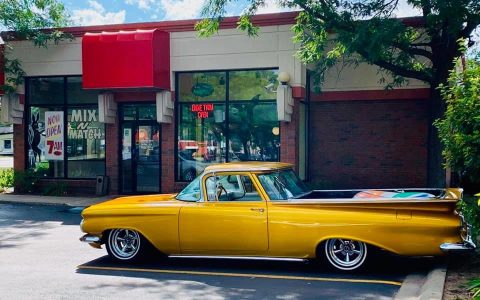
25 181
471 211
474 287
6 179
459 130
55 189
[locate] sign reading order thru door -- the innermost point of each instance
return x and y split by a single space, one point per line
54 144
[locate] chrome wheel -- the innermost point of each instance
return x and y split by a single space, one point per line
123 244
345 254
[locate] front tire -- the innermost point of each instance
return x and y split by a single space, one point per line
125 244
344 254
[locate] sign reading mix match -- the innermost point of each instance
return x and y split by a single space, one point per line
54 143
82 125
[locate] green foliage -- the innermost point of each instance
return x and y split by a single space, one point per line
366 31
33 20
459 130
471 211
6 179
25 182
474 287
55 189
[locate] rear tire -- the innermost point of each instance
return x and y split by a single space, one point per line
125 244
344 254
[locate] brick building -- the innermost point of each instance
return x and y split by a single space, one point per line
150 105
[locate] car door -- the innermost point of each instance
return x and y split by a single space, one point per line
232 219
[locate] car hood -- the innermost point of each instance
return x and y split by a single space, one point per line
141 200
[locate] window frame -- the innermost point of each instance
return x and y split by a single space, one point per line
178 103
64 108
255 185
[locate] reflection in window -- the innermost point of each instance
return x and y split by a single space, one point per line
283 185
254 133
77 95
206 86
47 90
253 85
201 138
192 192
209 114
86 143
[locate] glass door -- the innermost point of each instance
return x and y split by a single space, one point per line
140 151
147 158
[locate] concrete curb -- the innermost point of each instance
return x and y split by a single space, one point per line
50 200
421 287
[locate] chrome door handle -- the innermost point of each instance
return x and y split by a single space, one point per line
258 209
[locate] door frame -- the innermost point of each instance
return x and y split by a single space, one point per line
134 126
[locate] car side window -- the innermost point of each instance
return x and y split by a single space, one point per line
231 188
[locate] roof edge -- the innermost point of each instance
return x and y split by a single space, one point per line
272 19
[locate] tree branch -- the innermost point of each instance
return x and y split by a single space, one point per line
414 51
398 70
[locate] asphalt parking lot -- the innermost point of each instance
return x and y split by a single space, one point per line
41 257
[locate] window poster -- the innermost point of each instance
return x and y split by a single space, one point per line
54 133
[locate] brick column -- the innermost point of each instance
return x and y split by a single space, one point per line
168 157
111 155
19 147
289 131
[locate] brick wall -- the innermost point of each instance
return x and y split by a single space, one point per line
368 144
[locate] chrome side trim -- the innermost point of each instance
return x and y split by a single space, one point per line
90 239
240 257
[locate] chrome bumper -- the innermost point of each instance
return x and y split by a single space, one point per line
88 238
457 247
466 245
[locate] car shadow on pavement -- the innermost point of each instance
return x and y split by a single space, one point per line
381 267
240 279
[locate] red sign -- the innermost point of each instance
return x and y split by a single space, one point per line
202 110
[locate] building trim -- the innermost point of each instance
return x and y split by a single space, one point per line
261 20
398 94
299 92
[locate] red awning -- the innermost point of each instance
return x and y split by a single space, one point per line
126 60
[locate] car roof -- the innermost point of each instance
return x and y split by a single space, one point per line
247 166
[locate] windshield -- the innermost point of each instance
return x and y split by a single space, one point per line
191 192
283 185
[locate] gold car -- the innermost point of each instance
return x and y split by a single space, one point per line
261 209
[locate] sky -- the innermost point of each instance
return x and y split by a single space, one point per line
98 12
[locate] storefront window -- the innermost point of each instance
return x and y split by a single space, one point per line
201 138
77 148
254 131
219 125
205 86
46 90
37 158
86 143
253 85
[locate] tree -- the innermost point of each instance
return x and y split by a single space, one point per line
459 130
366 31
33 20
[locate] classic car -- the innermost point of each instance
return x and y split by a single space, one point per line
262 209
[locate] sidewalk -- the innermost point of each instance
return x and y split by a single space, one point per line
52 200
